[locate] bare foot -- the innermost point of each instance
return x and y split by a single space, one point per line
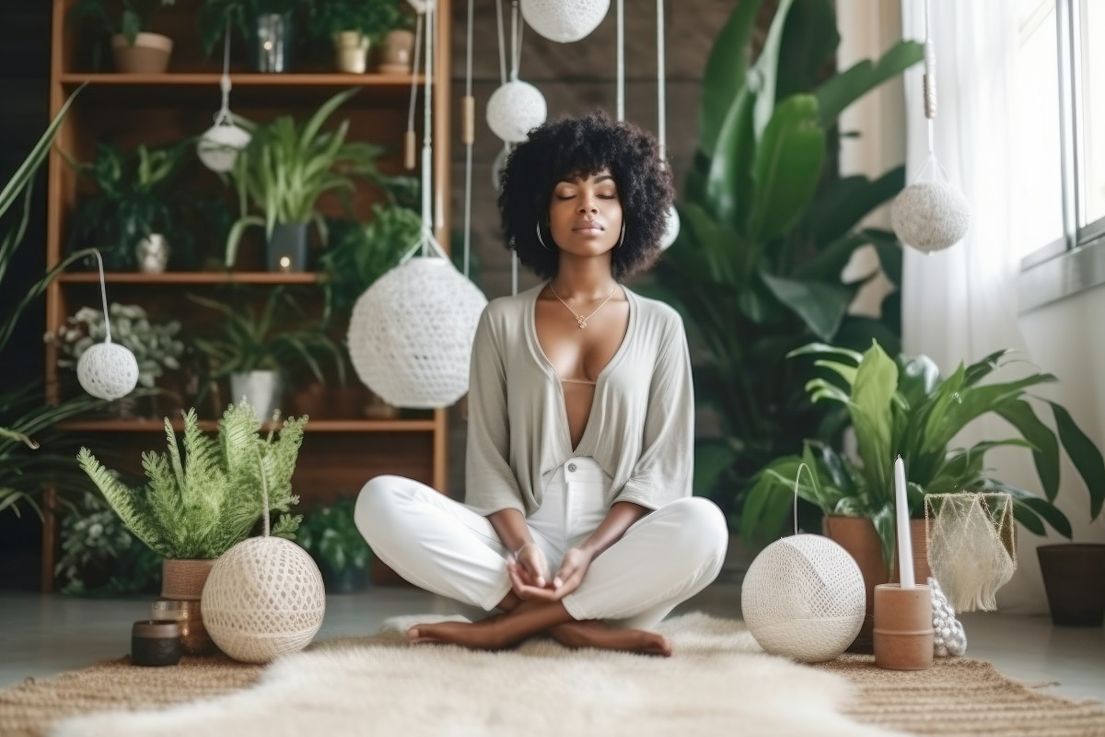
594 633
481 635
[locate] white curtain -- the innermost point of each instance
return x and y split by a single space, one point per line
960 304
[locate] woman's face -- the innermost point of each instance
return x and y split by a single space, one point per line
585 213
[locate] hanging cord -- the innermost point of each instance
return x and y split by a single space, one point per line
427 133
103 294
516 27
621 62
468 134
661 101
930 84
409 139
223 117
502 40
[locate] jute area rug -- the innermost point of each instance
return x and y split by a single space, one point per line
718 681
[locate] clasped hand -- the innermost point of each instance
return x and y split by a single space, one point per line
529 573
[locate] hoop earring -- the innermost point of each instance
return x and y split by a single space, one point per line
539 238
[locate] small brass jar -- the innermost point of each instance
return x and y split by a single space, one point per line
155 642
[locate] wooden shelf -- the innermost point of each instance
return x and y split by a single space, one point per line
203 79
193 277
357 426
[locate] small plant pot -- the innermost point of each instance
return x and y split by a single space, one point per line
272 42
288 247
152 253
183 579
262 389
351 51
1074 578
398 45
148 55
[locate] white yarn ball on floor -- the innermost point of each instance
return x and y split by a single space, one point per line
564 21
263 598
107 370
803 597
671 229
514 109
411 332
930 215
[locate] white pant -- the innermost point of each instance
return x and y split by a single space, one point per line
443 546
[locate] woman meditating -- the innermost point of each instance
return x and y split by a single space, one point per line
578 520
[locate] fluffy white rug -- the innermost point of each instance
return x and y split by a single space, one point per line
717 682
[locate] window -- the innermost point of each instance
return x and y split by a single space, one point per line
1091 29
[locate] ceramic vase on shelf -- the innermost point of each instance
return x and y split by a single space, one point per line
397 50
272 42
262 389
152 254
287 249
149 54
351 51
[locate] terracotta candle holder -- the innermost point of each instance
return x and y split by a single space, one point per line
903 627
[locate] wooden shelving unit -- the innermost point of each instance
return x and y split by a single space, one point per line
339 453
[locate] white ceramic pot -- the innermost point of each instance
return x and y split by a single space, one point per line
149 54
153 254
351 51
262 389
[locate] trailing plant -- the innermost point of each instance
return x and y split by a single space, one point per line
199 503
155 345
127 17
286 168
360 253
767 228
331 536
906 408
101 557
272 338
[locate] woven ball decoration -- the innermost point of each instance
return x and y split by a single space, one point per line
411 332
671 229
564 21
803 597
107 370
514 109
930 215
263 598
218 148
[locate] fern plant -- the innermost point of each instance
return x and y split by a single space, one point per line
201 503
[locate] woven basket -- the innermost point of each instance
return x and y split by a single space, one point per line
184 579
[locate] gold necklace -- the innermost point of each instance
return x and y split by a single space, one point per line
582 321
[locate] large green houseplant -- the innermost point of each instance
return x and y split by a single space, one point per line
197 504
906 408
285 170
767 227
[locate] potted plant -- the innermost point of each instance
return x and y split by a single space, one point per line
134 208
284 171
136 50
200 501
353 27
268 26
331 536
259 347
155 345
906 408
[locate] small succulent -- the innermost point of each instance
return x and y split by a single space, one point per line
155 345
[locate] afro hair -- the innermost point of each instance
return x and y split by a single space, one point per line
558 150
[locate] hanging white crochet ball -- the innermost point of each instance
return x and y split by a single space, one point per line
107 370
803 597
930 215
263 598
218 148
514 109
410 335
671 229
564 21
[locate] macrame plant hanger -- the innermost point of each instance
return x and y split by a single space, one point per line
107 370
219 146
516 26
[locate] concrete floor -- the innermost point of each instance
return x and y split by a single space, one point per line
43 634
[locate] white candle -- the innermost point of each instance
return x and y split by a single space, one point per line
905 543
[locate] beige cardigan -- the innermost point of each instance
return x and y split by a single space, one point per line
641 425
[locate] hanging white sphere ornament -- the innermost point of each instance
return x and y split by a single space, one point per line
514 109
930 215
218 148
671 228
803 597
263 598
107 370
564 21
410 335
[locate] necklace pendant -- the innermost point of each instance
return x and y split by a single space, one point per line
582 323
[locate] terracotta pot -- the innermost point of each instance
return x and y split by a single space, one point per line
398 46
184 579
149 54
1074 578
310 400
857 535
